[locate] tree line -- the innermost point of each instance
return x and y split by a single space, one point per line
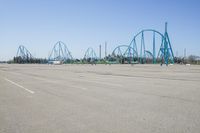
192 59
21 60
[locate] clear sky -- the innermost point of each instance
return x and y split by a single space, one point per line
39 24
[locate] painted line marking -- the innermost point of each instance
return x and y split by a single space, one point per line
30 91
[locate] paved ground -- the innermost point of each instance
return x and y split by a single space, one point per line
99 99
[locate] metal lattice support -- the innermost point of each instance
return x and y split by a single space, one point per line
168 54
90 54
24 53
60 52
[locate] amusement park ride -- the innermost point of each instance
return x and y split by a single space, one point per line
24 53
60 54
164 54
158 50
90 55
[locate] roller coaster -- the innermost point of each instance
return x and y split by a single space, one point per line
154 47
60 52
23 53
90 56
124 53
164 54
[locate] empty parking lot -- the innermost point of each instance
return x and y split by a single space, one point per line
99 99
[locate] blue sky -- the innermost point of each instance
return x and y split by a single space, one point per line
39 24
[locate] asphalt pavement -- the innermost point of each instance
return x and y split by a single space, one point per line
99 98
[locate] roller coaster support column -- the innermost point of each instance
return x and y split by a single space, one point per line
154 49
167 48
142 50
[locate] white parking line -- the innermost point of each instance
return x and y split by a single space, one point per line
30 91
